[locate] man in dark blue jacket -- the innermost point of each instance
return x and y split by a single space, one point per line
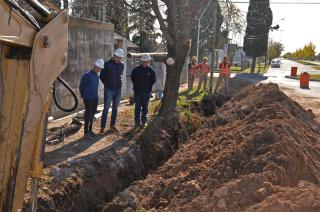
143 77
111 76
89 88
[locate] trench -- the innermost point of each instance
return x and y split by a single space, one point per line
86 185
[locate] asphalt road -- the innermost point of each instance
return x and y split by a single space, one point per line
277 75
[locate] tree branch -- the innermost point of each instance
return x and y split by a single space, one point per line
133 9
163 27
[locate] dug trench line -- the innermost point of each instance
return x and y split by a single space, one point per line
85 184
260 152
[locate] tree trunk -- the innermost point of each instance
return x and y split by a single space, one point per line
65 4
213 45
241 62
179 52
253 64
265 63
171 88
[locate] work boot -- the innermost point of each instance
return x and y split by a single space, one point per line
137 126
142 126
102 131
114 129
92 134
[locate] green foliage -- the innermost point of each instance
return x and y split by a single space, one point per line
316 67
306 53
206 30
235 69
183 103
259 20
116 12
287 55
307 63
263 69
275 49
142 25
132 19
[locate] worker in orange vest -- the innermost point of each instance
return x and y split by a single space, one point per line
204 70
192 72
224 74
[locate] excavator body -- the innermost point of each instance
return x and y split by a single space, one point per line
32 55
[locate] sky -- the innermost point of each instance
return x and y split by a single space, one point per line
299 27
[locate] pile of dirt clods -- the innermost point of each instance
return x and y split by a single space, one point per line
261 152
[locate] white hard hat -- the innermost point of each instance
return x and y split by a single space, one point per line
119 53
99 63
145 58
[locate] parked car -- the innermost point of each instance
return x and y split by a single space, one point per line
275 63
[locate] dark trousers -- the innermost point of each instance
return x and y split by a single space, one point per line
141 100
90 109
190 82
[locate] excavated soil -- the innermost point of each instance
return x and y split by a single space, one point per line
81 174
260 152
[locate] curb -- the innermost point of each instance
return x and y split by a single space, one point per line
297 78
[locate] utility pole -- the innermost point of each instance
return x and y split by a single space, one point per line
199 26
213 43
104 12
198 38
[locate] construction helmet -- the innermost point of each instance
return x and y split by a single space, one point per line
119 53
146 58
99 63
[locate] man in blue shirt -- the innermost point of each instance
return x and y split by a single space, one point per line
89 88
143 77
111 77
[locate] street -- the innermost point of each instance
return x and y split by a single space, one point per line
308 98
277 75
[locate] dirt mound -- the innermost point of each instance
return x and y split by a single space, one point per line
261 152
84 183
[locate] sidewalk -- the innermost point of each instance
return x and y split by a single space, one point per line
314 62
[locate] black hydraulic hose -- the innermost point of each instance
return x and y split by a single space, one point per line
25 14
76 101
39 8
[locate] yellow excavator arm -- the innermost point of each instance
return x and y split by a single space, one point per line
32 55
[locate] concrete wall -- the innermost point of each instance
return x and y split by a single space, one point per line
158 67
121 42
88 40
